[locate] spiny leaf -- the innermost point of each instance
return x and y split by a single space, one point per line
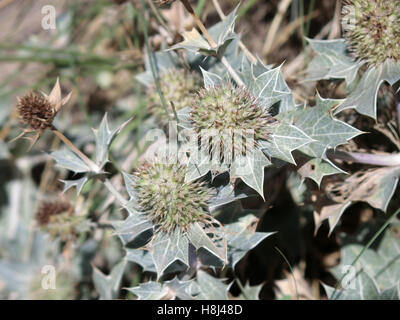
270 88
316 169
199 238
108 286
318 123
375 186
241 237
65 158
104 138
250 71
79 184
210 288
221 33
365 95
284 139
170 290
142 258
365 289
332 61
210 79
382 265
250 168
166 248
180 289
132 227
129 180
227 194
195 168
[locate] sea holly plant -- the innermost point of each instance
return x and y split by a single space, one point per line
368 55
224 113
174 218
180 217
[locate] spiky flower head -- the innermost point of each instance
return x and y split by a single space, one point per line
372 29
177 86
231 115
58 220
37 111
167 200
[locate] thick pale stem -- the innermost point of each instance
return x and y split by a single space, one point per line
115 192
383 160
79 153
232 72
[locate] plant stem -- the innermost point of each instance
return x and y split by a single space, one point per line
384 160
115 192
81 155
94 167
232 72
150 54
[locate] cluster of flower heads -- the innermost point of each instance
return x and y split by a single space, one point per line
177 86
167 200
232 116
373 29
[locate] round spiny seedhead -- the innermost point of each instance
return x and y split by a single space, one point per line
36 111
167 199
48 209
177 86
226 112
372 29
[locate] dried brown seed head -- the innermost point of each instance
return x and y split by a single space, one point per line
36 111
48 209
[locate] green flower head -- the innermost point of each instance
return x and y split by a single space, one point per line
177 86
167 200
372 29
232 115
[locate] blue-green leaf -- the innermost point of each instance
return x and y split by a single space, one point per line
108 286
332 61
364 97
